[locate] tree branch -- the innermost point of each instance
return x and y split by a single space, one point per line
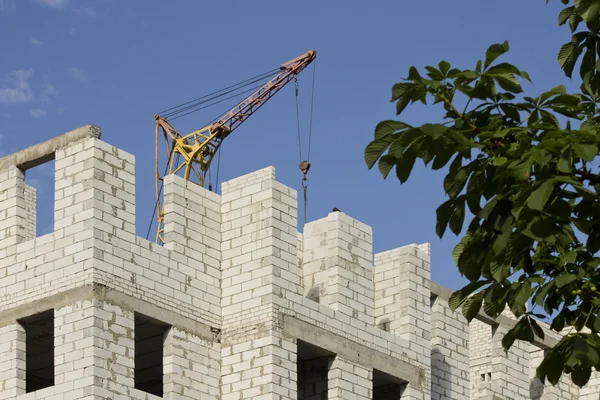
460 115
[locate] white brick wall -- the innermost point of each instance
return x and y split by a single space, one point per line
449 353
233 265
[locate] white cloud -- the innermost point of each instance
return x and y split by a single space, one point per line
38 113
53 3
77 74
36 42
49 91
19 90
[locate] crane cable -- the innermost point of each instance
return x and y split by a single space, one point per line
305 164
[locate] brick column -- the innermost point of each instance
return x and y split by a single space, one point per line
337 263
192 229
13 208
191 366
12 361
30 212
259 267
348 380
403 300
510 372
449 353
94 349
94 181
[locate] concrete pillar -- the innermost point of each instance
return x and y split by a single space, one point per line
348 380
403 303
259 267
12 361
94 181
13 208
337 265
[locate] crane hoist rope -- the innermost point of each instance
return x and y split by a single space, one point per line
191 155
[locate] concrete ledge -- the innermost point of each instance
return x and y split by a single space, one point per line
501 320
350 350
111 296
44 152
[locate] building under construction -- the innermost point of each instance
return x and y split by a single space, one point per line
229 302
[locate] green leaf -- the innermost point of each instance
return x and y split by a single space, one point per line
537 329
404 93
434 73
564 280
581 375
458 249
500 271
565 14
433 130
457 298
586 151
389 127
508 82
443 213
522 171
508 339
593 240
386 132
386 163
454 184
499 161
587 9
542 292
458 216
444 67
564 164
472 305
597 323
405 164
567 57
539 197
495 51
524 330
520 298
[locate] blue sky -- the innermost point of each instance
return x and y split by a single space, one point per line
114 64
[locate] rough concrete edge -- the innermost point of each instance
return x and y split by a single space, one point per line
44 152
351 350
502 320
111 296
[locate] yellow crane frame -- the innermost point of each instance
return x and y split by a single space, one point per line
194 152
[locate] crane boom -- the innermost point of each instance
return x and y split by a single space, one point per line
194 152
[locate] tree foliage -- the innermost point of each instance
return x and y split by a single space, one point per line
523 167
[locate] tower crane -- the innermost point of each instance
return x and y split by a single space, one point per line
192 154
